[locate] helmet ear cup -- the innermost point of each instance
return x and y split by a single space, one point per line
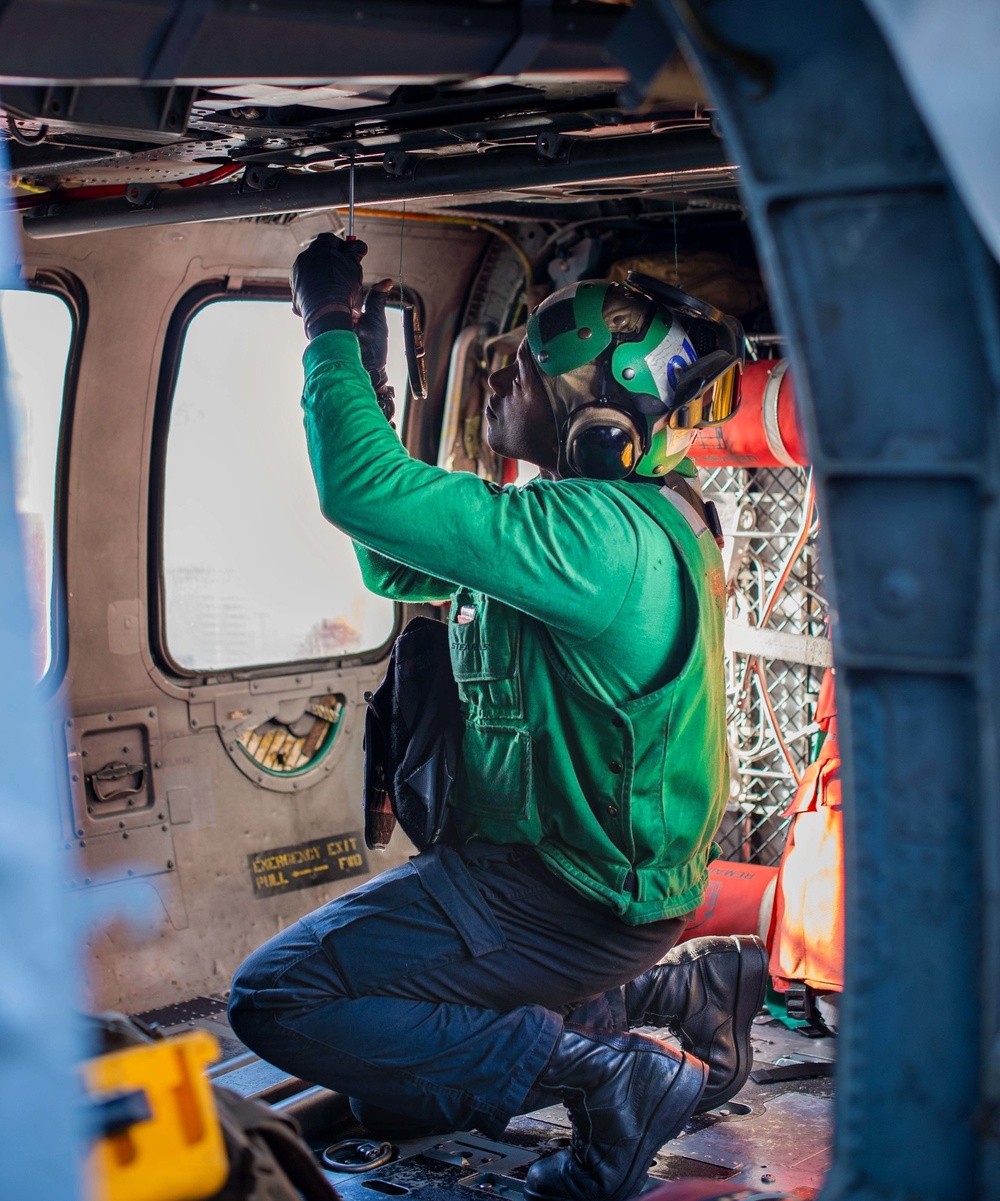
601 442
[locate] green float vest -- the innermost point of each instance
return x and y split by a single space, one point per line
621 800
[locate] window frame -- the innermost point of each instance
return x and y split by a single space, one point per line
187 308
55 281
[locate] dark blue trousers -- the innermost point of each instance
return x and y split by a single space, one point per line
439 988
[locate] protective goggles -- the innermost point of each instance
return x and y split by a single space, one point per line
707 392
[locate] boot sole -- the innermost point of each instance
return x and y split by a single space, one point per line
748 1003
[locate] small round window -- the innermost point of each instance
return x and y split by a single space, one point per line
283 748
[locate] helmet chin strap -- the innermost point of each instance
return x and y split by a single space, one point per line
559 411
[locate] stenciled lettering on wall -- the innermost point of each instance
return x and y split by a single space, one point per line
319 861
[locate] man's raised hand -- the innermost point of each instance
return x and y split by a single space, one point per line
326 283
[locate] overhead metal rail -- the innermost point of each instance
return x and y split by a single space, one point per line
687 159
201 43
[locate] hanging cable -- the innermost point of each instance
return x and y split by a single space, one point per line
796 549
801 538
402 225
350 205
25 139
765 696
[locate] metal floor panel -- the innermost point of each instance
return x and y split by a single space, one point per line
778 1135
788 1144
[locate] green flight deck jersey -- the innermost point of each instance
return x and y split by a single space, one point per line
586 634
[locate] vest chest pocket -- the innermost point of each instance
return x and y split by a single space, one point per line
483 638
496 764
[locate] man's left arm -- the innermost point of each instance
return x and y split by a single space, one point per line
544 553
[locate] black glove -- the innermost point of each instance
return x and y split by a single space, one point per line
373 337
326 284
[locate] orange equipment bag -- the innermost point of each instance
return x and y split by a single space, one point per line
738 900
807 944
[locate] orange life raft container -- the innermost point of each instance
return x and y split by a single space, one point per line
764 431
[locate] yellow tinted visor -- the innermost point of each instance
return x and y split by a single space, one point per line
725 397
714 406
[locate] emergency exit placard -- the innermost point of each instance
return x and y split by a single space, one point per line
319 861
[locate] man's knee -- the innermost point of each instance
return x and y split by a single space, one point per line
262 987
244 1018
287 973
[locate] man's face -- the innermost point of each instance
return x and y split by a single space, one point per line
519 420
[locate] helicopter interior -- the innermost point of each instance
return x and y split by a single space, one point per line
202 638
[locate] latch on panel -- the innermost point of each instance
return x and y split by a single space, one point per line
113 761
116 780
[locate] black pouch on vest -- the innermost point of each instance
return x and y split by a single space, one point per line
413 736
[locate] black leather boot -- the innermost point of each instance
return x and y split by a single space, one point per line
706 992
627 1095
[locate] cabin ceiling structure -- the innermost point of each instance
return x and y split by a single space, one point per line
201 112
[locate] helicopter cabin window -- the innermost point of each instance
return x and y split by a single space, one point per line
252 572
37 329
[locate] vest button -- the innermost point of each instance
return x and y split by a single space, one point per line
612 811
618 722
615 766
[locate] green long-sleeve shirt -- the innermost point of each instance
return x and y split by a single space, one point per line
560 552
599 616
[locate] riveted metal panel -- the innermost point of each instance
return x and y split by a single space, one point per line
917 536
890 397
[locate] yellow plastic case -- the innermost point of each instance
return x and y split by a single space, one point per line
178 1154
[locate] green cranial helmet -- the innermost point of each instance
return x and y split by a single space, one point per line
631 371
